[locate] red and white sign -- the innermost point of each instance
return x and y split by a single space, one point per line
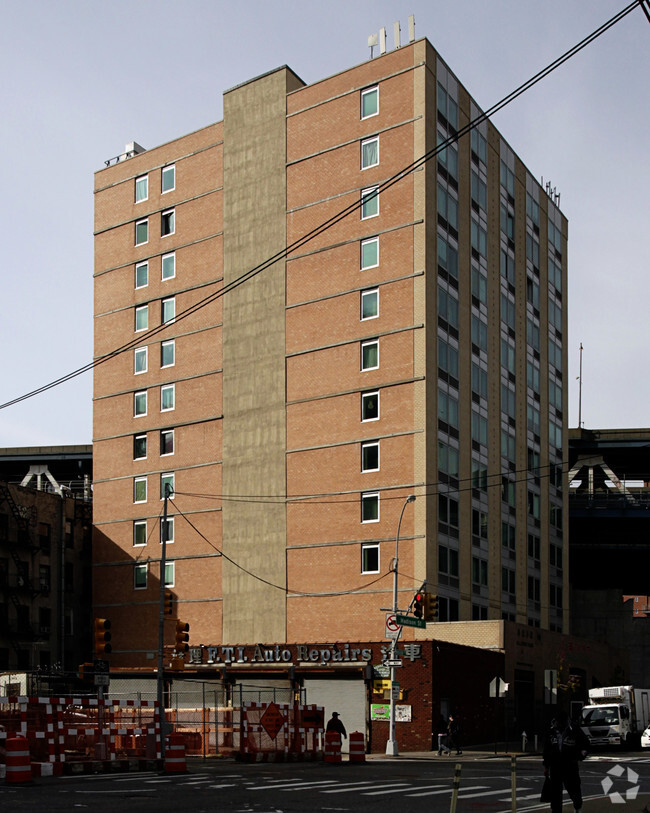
393 629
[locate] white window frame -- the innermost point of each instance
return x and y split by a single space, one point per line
168 216
374 201
366 496
170 568
368 394
137 414
170 256
366 141
367 293
171 169
365 242
140 352
367 445
145 178
169 475
363 346
164 388
140 309
144 221
144 265
140 568
170 530
163 303
170 343
373 546
367 91
139 523
138 481
167 432
135 437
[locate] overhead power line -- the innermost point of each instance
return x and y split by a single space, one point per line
343 213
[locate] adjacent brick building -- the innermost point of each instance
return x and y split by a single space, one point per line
293 392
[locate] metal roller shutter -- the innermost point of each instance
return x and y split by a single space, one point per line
345 695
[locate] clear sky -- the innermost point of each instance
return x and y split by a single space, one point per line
84 77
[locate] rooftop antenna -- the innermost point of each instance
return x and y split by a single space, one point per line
382 40
580 391
397 30
411 27
372 41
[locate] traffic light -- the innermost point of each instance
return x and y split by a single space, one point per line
182 637
430 607
418 604
102 637
169 602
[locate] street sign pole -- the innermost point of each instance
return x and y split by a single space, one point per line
391 744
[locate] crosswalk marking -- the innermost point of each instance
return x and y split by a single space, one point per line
399 785
294 783
444 790
462 795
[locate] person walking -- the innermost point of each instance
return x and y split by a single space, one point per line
441 732
335 724
565 747
453 738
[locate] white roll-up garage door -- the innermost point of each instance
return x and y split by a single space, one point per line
345 695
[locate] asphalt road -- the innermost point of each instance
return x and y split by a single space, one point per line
377 786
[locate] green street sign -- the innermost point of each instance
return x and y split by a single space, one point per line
408 621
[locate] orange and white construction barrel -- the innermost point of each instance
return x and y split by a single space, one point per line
18 761
357 747
332 747
175 754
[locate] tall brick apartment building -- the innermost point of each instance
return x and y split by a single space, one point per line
416 346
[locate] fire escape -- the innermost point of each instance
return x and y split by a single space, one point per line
19 586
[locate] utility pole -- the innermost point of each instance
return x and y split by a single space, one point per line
160 678
391 744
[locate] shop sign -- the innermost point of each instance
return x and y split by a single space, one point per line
343 653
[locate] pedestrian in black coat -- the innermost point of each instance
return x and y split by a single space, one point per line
565 746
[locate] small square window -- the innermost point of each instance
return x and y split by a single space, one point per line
369 406
370 152
370 355
168 310
369 102
167 397
142 317
139 533
370 507
170 574
141 188
167 353
369 203
170 529
168 266
139 447
140 577
140 360
370 304
370 558
140 403
168 178
370 456
141 232
167 479
369 253
167 441
141 275
167 225
140 489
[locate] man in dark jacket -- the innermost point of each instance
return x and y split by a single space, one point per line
566 745
334 724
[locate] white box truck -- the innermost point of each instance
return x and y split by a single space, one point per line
616 715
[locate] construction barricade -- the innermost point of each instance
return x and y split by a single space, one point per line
18 762
273 732
175 754
332 746
357 747
74 735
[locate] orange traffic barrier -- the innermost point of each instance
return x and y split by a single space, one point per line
357 747
175 754
18 761
332 747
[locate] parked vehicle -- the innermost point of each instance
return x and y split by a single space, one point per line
616 715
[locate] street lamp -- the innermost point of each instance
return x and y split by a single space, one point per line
391 745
